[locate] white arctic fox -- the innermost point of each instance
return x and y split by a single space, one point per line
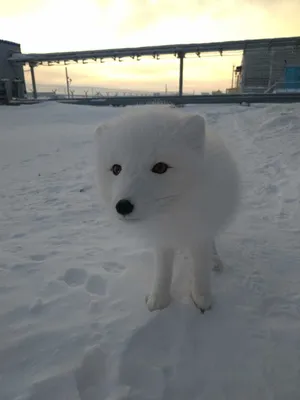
173 184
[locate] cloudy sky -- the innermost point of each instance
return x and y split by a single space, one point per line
64 25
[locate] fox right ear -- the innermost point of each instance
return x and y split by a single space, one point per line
193 126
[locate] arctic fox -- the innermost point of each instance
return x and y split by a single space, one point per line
173 184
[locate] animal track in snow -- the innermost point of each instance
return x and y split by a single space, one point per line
112 266
75 276
37 306
38 257
96 284
90 375
18 235
96 306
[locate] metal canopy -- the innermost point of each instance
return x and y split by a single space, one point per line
176 49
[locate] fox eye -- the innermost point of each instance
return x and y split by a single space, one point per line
160 168
116 169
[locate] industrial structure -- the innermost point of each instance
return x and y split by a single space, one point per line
265 62
12 82
270 71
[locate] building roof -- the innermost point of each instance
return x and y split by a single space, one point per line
8 42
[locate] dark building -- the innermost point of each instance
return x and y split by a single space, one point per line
270 70
12 82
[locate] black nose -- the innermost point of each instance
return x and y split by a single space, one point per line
124 207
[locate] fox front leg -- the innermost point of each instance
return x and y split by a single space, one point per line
202 256
217 262
160 296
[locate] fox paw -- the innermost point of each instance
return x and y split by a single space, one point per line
204 303
157 301
218 265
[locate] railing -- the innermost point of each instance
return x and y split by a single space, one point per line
284 87
190 99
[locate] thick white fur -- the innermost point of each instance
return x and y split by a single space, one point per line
186 206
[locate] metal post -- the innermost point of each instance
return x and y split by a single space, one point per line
8 90
68 82
19 88
270 69
232 77
33 80
181 57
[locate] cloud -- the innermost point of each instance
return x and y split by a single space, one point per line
147 18
144 13
14 8
66 25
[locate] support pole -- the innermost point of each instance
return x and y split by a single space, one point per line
33 80
68 82
181 57
270 69
19 88
232 77
8 90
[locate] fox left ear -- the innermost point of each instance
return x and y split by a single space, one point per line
193 127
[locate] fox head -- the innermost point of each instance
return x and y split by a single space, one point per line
148 161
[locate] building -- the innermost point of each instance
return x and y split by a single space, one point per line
12 81
264 71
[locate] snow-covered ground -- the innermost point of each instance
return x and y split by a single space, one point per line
73 322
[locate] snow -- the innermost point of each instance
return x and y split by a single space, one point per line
73 321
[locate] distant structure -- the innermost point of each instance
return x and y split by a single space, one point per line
12 82
268 65
269 71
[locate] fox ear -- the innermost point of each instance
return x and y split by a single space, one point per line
193 128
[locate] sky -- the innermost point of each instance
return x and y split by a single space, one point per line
67 25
